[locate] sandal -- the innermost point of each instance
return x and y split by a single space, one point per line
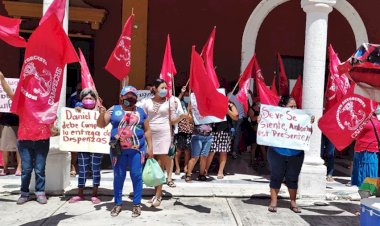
177 173
188 178
152 200
171 184
136 211
156 202
4 173
295 209
202 178
220 177
73 173
272 209
76 199
115 211
95 200
18 173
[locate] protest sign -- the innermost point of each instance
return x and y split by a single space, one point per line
79 133
144 94
198 119
284 127
5 102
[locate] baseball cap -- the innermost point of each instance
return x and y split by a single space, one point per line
128 89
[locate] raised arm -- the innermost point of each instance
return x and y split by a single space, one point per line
7 89
104 117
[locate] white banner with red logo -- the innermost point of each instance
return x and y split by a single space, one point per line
79 132
284 128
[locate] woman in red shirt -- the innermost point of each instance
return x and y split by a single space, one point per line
366 148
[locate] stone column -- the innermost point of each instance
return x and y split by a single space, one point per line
57 163
313 175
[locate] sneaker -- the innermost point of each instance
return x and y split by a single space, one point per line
22 200
41 199
136 210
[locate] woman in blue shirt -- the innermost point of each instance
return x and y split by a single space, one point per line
131 126
285 163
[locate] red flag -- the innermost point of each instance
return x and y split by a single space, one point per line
344 121
208 56
168 68
38 91
244 82
283 79
273 86
209 101
58 8
119 63
297 92
87 81
337 85
265 94
9 31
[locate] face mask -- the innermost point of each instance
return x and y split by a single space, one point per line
132 101
163 93
186 99
126 103
89 104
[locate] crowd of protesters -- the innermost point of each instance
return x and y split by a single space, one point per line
152 123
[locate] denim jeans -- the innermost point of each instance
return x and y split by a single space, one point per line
237 134
133 159
200 145
33 157
328 149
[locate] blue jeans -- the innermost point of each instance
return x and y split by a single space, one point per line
237 134
84 160
328 148
200 145
33 156
133 159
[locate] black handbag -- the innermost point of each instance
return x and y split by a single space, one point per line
115 148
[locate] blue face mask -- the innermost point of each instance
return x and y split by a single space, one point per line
126 103
163 93
186 99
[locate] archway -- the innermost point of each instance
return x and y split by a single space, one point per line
266 6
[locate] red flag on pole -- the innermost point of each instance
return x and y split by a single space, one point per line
337 85
209 101
119 63
9 32
344 121
208 56
265 94
244 83
87 81
283 79
168 68
297 92
38 91
58 8
273 86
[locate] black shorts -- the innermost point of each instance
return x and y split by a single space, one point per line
183 141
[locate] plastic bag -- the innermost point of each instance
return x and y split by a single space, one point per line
153 174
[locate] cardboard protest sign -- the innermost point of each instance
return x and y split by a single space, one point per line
5 102
144 94
79 133
198 119
284 127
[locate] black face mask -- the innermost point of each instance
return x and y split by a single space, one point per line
132 101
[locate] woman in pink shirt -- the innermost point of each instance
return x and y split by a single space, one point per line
366 149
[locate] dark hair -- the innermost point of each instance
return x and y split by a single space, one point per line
87 91
156 84
284 100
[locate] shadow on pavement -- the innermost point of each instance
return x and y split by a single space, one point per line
198 208
53 220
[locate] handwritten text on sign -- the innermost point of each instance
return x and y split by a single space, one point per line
284 127
79 132
5 102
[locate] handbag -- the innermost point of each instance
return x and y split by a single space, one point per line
172 148
115 147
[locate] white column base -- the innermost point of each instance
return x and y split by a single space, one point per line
57 170
312 181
